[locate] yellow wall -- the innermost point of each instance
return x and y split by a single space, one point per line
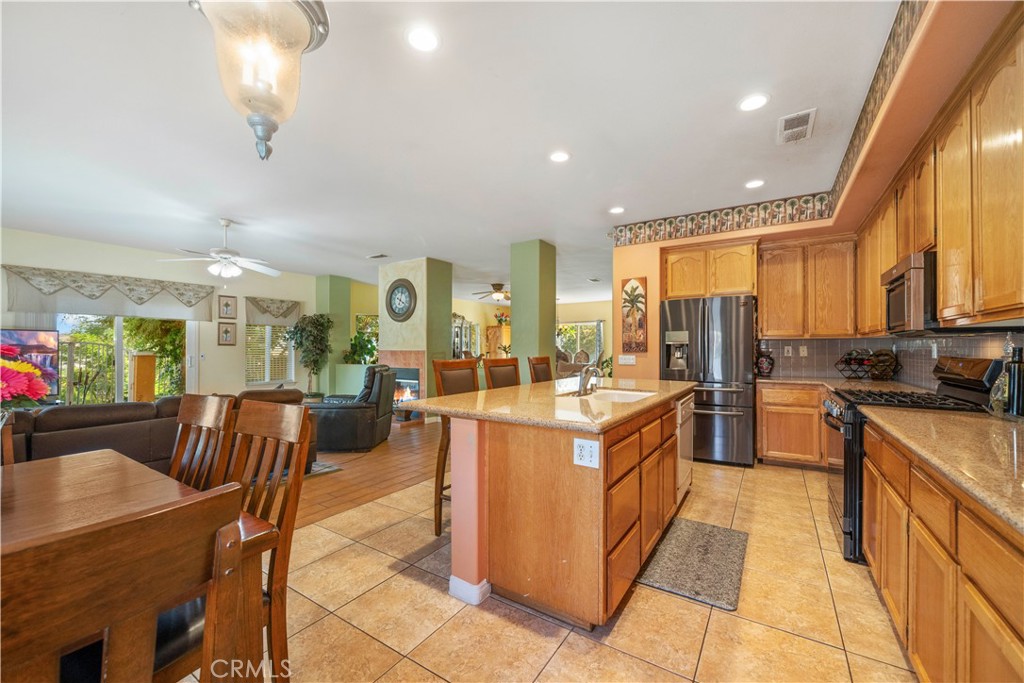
221 368
364 301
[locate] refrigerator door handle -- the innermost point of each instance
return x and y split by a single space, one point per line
704 338
724 413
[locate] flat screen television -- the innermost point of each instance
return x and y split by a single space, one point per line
38 346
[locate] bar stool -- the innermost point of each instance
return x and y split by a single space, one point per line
501 372
540 368
450 377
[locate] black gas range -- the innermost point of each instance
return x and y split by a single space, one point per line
964 385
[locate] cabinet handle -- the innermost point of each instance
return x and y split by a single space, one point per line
729 413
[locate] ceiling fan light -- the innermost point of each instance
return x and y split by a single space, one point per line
259 49
225 269
497 296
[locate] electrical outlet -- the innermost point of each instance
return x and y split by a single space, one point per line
584 452
803 351
787 351
627 360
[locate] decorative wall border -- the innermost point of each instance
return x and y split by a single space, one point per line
808 207
783 211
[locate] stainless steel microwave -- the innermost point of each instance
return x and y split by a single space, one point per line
910 295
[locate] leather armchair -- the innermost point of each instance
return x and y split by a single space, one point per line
359 422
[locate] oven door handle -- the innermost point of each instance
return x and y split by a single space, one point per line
832 422
724 413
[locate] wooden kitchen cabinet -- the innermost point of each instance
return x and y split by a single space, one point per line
807 290
830 291
870 299
719 271
686 274
997 118
869 542
905 223
669 465
924 199
892 541
886 245
987 649
931 608
650 504
781 285
788 418
954 289
732 270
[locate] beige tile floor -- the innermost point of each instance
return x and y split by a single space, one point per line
369 601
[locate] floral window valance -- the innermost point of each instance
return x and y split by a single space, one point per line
47 290
261 310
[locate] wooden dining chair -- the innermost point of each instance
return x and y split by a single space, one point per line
268 458
501 372
450 377
7 444
98 593
540 368
203 442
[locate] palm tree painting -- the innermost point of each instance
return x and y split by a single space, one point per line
634 315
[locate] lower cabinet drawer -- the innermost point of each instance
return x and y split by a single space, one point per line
623 506
623 566
622 457
994 566
668 425
934 507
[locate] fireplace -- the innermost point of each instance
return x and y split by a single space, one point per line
407 388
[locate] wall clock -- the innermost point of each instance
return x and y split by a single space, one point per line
400 300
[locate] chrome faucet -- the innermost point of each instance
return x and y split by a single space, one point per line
592 371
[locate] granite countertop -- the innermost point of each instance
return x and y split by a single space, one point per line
843 383
981 454
543 404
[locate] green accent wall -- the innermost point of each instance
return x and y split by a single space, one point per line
334 297
533 302
439 316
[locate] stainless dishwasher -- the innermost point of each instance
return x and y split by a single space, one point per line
684 450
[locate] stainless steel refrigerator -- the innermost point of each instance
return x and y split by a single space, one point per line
711 342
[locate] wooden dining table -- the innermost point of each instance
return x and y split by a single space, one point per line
60 496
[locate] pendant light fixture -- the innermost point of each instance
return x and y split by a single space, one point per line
259 47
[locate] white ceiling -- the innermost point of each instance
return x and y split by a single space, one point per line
116 128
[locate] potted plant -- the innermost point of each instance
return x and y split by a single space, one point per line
311 336
362 350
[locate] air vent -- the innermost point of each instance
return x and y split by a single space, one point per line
796 127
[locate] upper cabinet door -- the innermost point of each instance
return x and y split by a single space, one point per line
732 270
924 200
886 236
781 294
830 300
997 114
905 216
953 215
686 274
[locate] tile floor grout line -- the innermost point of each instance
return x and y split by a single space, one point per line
559 647
703 639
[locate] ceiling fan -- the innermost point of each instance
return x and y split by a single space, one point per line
497 292
227 262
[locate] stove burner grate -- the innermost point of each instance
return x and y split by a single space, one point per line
907 399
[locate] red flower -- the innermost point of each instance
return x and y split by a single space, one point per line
12 383
8 351
37 388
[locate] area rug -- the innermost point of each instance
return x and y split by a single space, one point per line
699 561
323 468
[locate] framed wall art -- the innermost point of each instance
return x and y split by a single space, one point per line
634 315
225 334
227 307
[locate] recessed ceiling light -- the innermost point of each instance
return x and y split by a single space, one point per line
616 210
422 38
377 256
752 102
752 184
593 279
559 156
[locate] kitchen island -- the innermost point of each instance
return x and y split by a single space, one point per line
558 499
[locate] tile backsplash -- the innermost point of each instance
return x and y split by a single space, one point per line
914 354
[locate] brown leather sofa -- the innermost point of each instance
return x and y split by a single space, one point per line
142 431
357 422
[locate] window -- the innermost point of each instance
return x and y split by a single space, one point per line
269 357
585 336
369 325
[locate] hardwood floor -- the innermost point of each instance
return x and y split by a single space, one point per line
406 458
